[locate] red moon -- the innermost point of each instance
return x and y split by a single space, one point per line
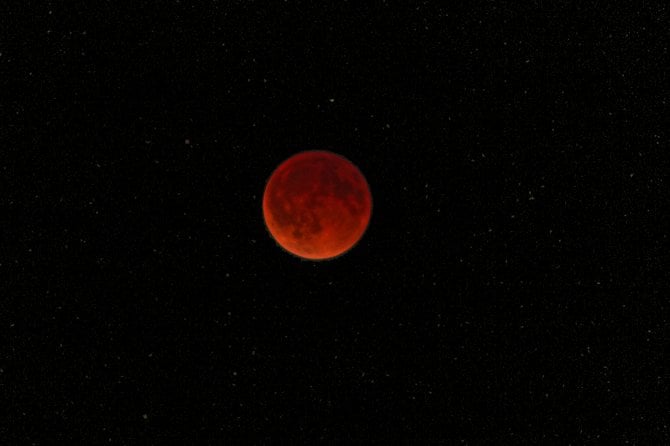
317 205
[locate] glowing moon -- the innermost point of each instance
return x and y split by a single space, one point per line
317 205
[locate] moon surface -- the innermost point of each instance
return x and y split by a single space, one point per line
317 205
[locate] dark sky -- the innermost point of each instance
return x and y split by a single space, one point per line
511 288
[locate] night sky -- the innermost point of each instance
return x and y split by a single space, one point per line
512 285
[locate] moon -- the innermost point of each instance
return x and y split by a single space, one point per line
317 205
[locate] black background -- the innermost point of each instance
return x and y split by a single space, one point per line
512 284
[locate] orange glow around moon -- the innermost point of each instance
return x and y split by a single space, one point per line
317 205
